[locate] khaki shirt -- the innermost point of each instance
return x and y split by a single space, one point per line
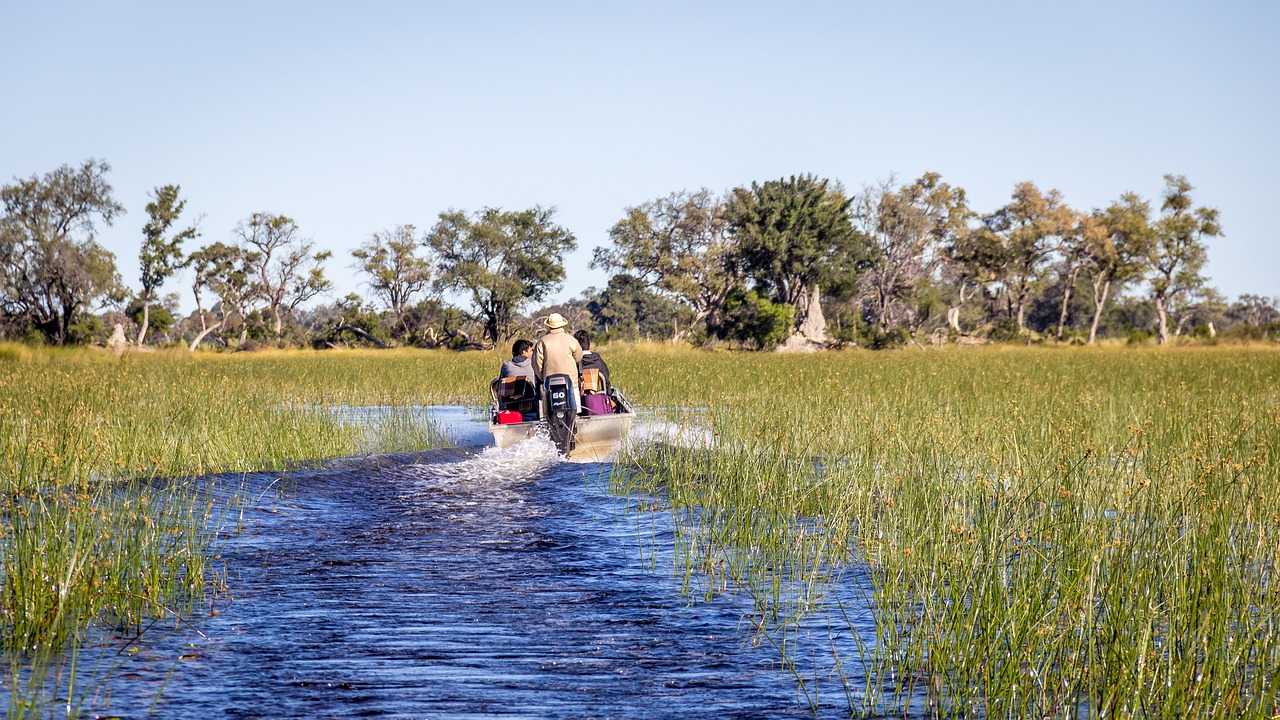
557 353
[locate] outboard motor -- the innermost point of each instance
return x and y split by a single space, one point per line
561 411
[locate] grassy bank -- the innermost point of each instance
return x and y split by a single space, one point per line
1045 532
1041 530
98 525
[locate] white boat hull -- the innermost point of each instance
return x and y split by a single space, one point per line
596 436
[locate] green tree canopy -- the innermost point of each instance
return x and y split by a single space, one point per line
395 270
159 317
908 226
1027 229
793 237
973 261
223 271
1178 253
284 267
754 321
503 259
629 309
1117 255
161 254
51 267
679 246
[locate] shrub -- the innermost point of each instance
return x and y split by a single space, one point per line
1004 330
755 321
1139 337
877 339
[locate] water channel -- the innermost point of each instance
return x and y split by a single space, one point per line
468 582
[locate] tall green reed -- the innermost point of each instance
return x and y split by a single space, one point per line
1047 533
98 528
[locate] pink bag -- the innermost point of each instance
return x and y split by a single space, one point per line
598 404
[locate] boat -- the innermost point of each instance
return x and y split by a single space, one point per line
578 431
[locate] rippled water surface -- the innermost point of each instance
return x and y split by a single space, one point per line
469 582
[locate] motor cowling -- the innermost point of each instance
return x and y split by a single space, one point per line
561 400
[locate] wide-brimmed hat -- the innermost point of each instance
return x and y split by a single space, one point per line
555 320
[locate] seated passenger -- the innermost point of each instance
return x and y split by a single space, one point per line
520 363
591 360
512 393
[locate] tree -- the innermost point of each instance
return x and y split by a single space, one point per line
1081 233
754 321
1178 253
575 310
1025 228
284 270
973 260
1200 308
677 245
907 227
51 267
629 309
223 270
1116 255
395 270
349 320
431 323
159 317
1255 310
793 236
504 259
161 256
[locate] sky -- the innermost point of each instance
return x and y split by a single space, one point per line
355 117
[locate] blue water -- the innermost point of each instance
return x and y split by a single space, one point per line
461 583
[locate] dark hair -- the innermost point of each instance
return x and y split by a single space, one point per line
520 346
583 339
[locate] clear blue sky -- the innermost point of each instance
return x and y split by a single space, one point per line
354 117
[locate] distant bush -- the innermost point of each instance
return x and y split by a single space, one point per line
894 337
88 329
1139 337
1004 330
159 318
1245 332
755 321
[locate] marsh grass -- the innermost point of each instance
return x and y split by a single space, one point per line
1039 533
99 527
1047 533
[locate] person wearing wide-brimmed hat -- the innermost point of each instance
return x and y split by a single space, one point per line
556 352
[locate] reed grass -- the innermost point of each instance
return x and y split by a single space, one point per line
99 528
1041 533
1047 534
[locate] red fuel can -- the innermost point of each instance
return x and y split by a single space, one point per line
507 417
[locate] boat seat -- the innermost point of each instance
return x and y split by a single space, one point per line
514 393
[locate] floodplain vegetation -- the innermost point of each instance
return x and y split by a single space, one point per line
114 474
1037 532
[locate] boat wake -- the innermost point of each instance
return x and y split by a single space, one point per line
664 432
519 463
531 459
528 458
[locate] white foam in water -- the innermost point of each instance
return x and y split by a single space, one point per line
530 458
651 432
522 461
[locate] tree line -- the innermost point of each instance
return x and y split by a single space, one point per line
795 262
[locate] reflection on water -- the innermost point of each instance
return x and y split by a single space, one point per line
469 582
